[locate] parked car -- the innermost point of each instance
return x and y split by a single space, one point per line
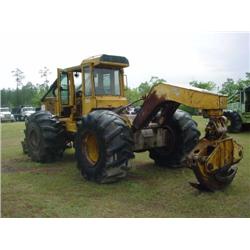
23 113
5 115
133 110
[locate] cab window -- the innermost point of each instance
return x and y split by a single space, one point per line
64 88
87 80
107 81
78 80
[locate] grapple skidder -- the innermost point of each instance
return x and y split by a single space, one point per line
86 107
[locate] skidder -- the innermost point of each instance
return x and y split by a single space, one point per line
86 105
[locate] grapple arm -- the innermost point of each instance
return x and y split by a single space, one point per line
214 158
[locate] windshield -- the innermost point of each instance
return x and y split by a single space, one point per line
107 81
4 110
29 109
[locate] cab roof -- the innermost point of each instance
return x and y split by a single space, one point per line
103 59
107 59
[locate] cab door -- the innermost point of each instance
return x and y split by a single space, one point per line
64 105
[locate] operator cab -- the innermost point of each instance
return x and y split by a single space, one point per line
98 82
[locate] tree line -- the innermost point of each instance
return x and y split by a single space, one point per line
25 94
29 94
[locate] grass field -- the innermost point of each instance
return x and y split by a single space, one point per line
31 189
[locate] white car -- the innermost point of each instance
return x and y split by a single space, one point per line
5 115
26 112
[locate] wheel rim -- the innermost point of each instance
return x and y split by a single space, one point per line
34 139
91 149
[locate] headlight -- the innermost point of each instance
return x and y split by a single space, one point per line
12 116
2 115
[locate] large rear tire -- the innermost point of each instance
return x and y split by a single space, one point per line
183 137
235 123
45 139
103 146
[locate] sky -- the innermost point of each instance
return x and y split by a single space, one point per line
178 57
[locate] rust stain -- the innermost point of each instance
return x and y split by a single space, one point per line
151 106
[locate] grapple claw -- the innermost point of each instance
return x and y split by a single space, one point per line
213 161
215 181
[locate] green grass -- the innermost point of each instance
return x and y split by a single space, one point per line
57 190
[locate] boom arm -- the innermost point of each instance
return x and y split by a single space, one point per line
214 158
165 96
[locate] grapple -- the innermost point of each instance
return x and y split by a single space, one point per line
214 158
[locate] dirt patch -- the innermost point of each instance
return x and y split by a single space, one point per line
143 165
132 176
10 169
15 165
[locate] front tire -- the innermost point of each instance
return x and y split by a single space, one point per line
183 137
103 146
45 138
